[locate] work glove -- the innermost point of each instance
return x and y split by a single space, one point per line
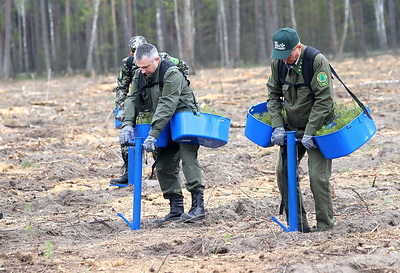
308 142
149 144
126 135
120 114
278 136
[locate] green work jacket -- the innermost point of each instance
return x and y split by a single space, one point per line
175 96
307 110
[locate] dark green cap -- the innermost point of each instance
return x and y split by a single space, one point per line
283 42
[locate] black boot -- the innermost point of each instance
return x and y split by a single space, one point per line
304 227
1 215
176 210
196 212
123 179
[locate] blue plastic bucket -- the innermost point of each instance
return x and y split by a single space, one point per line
348 139
118 123
256 130
142 130
204 129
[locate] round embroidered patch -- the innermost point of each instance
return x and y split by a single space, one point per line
322 79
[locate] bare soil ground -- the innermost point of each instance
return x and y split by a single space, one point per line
58 151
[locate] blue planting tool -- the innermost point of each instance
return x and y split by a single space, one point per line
118 123
292 183
135 178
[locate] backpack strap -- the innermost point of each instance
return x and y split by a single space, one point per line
351 93
308 64
129 64
165 64
142 84
308 69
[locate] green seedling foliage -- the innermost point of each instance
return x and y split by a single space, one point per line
209 110
49 250
26 164
228 236
31 232
144 118
263 117
266 117
29 206
344 116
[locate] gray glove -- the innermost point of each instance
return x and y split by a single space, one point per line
278 136
149 144
120 114
308 142
126 135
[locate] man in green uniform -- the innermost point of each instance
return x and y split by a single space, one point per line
163 101
127 70
307 109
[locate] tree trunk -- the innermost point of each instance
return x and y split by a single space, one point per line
380 24
20 39
25 41
178 29
89 63
293 14
345 27
393 28
7 42
260 35
160 34
271 22
68 36
115 61
236 19
189 33
127 33
52 37
224 33
357 11
135 14
332 27
45 38
36 46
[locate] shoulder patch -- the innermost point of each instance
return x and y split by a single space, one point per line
174 60
322 79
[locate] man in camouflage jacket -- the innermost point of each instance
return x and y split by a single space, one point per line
124 80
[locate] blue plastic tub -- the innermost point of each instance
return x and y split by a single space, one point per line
348 139
118 123
256 130
204 129
142 130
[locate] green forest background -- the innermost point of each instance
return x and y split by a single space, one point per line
91 36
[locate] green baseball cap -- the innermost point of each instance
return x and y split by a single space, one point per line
283 42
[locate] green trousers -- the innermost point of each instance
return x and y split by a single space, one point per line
319 170
168 167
